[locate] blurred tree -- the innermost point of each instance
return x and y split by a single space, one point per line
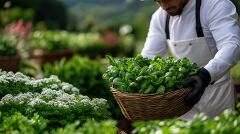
19 3
87 24
140 29
72 22
52 12
14 14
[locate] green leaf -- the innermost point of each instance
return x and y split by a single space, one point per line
116 81
161 89
139 78
111 60
150 89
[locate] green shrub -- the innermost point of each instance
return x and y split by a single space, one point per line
235 72
90 127
90 44
62 40
19 124
87 43
86 75
8 45
58 107
226 123
56 101
49 40
81 72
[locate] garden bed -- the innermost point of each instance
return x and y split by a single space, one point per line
10 63
42 57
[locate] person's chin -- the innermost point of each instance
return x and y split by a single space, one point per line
174 13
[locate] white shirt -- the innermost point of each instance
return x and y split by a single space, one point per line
220 28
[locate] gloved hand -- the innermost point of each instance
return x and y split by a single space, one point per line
198 83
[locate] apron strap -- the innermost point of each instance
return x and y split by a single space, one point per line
199 29
198 21
167 27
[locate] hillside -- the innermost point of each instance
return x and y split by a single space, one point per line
106 12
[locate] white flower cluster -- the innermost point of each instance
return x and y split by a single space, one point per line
53 98
52 82
20 98
96 103
69 88
99 102
6 77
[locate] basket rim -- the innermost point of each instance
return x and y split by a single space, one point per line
152 94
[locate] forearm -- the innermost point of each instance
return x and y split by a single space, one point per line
223 25
224 59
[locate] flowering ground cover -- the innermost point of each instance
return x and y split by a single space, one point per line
58 102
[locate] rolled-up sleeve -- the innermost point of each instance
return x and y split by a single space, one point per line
156 43
222 20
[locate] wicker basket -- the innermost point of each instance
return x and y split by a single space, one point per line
152 106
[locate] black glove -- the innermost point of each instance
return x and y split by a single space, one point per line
198 83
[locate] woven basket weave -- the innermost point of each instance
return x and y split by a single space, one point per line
136 106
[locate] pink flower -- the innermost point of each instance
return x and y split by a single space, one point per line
19 29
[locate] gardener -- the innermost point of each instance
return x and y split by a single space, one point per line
207 33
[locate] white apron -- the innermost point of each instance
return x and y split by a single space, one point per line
217 97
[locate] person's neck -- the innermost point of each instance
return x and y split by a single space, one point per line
185 2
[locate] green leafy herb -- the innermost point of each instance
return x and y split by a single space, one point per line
147 76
